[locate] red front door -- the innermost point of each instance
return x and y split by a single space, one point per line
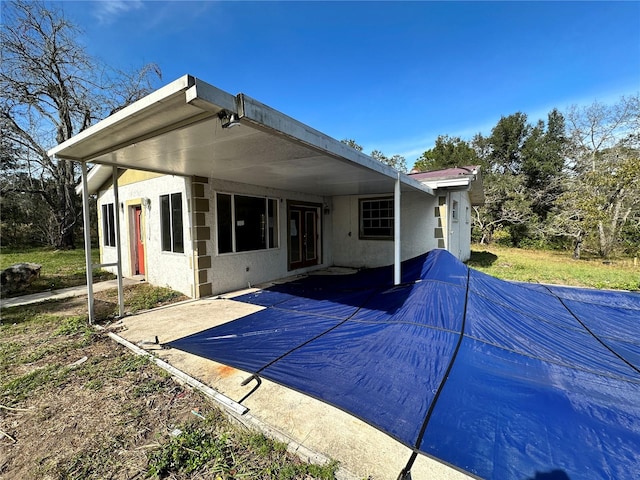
139 242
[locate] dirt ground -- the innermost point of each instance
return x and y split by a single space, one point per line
97 419
85 407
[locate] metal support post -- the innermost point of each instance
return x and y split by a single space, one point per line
87 241
396 234
116 200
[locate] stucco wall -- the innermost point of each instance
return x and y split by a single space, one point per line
231 271
169 269
417 222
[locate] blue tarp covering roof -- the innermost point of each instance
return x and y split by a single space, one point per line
499 379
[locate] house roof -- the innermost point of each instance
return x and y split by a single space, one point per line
180 129
455 179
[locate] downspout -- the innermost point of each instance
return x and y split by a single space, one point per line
396 233
116 200
87 241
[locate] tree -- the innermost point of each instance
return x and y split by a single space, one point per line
598 127
507 203
507 140
603 188
397 161
52 90
447 152
543 162
352 144
601 201
506 206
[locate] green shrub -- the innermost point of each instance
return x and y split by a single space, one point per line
502 237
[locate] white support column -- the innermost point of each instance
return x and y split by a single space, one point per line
87 241
116 200
396 233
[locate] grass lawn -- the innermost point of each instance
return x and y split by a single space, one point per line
543 266
75 405
60 268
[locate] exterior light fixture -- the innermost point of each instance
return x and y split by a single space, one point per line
228 120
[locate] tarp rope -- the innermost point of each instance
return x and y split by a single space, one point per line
591 332
406 471
316 337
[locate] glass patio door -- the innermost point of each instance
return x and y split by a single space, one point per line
304 236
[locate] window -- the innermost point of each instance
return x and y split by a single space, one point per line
454 211
376 218
246 223
108 225
171 223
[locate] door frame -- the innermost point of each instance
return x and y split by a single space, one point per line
133 207
305 208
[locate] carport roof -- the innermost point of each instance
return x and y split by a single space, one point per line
178 130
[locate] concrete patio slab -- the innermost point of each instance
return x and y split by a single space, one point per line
362 450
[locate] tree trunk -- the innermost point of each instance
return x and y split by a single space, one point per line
66 215
577 246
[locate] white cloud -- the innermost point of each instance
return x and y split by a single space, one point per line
106 11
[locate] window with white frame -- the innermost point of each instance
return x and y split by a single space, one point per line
108 225
376 218
171 223
246 223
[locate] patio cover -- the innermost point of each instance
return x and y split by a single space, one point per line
185 129
498 379
178 130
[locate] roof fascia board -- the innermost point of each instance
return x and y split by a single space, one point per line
205 115
266 118
209 98
158 96
99 168
449 183
97 176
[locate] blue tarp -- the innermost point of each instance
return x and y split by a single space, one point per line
499 379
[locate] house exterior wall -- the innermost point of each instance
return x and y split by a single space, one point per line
427 223
232 271
459 224
174 270
418 224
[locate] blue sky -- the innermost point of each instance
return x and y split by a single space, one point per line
390 75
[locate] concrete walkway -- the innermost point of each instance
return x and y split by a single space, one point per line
65 292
